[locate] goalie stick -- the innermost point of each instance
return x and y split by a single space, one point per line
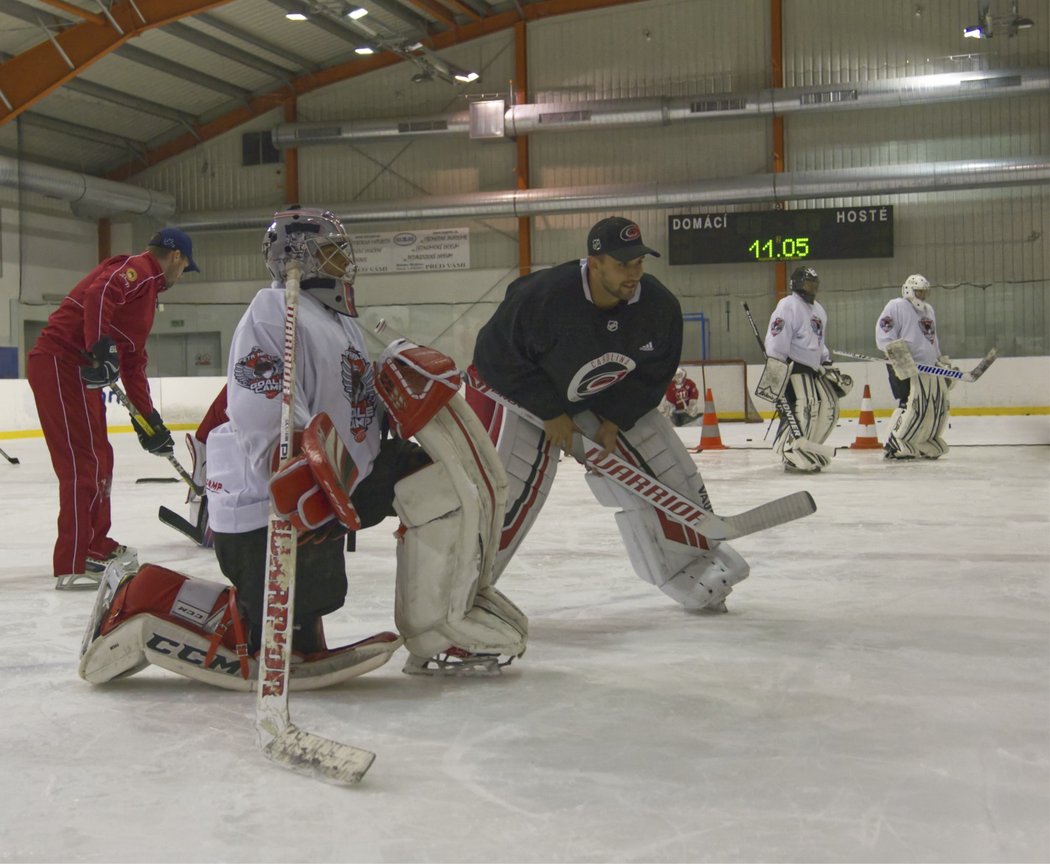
784 407
281 740
683 508
12 459
196 533
904 366
143 424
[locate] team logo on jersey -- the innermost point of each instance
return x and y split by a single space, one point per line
886 323
816 325
130 275
926 324
358 378
260 372
777 327
599 374
612 326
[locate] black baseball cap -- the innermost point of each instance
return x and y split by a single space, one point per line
176 238
618 237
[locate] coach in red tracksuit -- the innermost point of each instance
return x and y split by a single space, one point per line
98 333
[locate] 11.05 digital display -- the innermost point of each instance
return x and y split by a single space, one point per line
781 235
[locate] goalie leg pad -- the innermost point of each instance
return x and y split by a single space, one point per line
918 427
452 512
817 411
530 465
689 568
192 627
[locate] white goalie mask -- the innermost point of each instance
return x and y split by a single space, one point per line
679 376
915 290
317 241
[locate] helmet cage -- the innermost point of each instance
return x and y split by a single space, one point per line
799 277
915 290
317 241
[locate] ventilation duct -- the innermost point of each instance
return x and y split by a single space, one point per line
662 111
87 195
789 186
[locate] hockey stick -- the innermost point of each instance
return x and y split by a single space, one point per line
682 508
784 407
147 430
196 533
904 366
13 460
281 740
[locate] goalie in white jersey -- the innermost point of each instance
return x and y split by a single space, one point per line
449 494
922 400
799 374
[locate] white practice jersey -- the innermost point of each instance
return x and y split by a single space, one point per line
901 320
332 374
796 332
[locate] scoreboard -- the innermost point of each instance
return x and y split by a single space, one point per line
781 235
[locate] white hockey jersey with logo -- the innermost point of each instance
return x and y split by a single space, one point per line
332 373
796 332
901 320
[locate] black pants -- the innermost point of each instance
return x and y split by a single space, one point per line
320 584
901 389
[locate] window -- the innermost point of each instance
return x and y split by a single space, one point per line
257 149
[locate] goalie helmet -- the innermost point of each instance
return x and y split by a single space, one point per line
679 376
317 241
915 290
805 281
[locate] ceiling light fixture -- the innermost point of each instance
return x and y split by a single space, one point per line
364 49
357 13
295 16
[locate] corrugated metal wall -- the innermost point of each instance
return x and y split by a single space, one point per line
989 249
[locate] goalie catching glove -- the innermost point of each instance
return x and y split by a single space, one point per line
414 383
312 489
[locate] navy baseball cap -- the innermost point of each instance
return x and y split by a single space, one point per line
176 238
618 237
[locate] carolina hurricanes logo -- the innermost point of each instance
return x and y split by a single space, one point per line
886 323
630 233
777 327
597 375
926 324
359 387
816 325
260 372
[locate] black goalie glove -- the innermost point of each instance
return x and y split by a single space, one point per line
105 365
158 441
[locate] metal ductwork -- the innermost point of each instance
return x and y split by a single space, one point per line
501 122
788 186
86 194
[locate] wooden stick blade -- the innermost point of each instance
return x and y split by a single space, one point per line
319 758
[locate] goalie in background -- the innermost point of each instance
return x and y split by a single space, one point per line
348 475
597 341
681 402
798 368
922 400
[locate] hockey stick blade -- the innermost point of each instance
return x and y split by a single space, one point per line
184 526
317 757
12 459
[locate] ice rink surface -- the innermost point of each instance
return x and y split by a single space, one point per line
878 691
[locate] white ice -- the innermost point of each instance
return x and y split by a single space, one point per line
878 691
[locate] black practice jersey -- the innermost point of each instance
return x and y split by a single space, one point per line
551 350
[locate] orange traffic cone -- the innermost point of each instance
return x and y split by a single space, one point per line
867 439
710 437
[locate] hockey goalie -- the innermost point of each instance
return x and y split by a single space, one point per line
346 474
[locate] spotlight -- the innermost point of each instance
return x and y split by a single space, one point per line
295 16
466 77
356 13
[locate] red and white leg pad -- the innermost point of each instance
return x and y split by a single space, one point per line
192 627
452 516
